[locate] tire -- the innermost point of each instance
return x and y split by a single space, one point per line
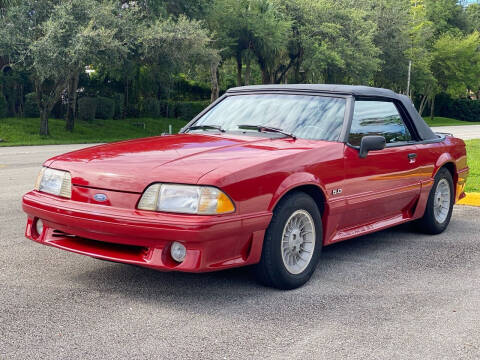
431 222
281 265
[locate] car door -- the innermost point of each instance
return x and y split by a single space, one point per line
385 184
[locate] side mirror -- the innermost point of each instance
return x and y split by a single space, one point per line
370 143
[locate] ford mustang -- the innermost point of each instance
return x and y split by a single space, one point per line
265 176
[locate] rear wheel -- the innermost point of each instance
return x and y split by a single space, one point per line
439 205
292 243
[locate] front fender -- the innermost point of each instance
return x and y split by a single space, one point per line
293 181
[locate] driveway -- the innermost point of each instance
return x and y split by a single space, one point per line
394 294
465 132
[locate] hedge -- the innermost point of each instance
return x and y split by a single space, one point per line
3 106
119 100
462 109
31 106
151 108
105 108
189 109
87 107
186 110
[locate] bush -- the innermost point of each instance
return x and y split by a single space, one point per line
105 108
167 108
87 107
119 100
462 109
3 106
31 106
59 110
151 108
187 110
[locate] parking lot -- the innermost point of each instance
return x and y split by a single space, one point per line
394 294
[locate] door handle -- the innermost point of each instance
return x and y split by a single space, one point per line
412 156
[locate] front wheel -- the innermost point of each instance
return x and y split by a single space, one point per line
292 243
439 205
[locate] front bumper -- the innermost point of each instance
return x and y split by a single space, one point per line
144 238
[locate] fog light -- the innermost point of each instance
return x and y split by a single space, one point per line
178 252
39 227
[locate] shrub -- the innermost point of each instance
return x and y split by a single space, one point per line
3 106
87 107
168 108
105 108
187 110
462 109
151 108
119 100
31 106
59 110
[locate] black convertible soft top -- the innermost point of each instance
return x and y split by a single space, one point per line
423 129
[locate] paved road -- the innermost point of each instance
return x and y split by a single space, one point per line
395 294
465 132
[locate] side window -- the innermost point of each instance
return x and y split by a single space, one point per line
377 118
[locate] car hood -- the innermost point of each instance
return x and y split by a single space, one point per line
132 165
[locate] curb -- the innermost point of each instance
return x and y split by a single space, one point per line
472 199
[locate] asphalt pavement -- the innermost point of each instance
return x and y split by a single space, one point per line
391 295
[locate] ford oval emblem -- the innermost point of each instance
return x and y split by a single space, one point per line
100 197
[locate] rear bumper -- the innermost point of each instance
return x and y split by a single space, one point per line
144 238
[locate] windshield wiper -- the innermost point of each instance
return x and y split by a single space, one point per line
206 127
262 128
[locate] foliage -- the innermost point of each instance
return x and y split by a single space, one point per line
87 108
189 109
151 107
119 105
3 106
462 108
162 57
31 105
105 108
456 63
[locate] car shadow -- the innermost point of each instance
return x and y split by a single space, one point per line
231 285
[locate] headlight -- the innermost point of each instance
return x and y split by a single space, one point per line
187 199
55 182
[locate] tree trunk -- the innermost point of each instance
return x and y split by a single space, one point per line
214 81
248 69
239 69
423 104
72 103
44 131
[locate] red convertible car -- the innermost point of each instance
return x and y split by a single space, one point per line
265 176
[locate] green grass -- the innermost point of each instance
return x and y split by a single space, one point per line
442 121
24 131
473 154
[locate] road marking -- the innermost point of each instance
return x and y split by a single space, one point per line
472 199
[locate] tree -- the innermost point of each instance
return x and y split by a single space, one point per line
473 17
456 63
445 15
335 42
54 41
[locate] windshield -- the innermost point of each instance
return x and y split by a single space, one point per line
304 116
